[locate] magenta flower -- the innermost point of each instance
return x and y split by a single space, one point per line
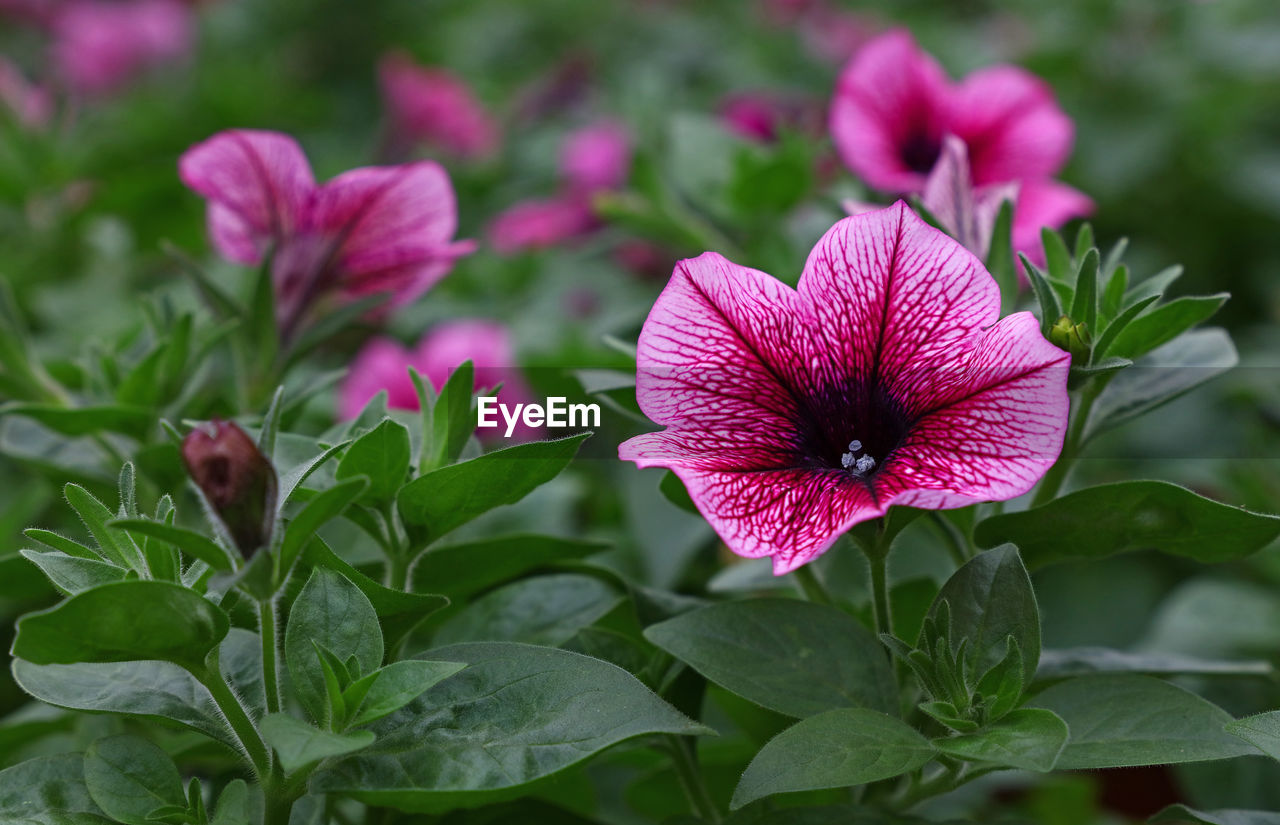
28 104
592 159
435 107
596 157
884 378
383 364
384 229
99 45
763 117
1044 203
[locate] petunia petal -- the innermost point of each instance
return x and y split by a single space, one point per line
894 298
257 184
1044 203
997 425
1011 123
391 226
889 108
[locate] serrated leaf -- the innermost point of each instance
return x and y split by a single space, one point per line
444 499
1029 739
330 611
122 622
1131 515
425 760
1125 721
835 749
129 778
790 656
298 744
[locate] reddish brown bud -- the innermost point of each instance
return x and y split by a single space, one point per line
237 480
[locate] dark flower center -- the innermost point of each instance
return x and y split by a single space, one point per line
853 429
920 152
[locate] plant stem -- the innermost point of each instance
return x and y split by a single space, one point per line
957 545
878 558
241 725
811 586
1053 480
945 782
270 653
686 765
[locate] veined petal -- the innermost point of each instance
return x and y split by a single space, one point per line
888 115
1011 123
894 298
792 515
391 227
257 184
997 423
724 352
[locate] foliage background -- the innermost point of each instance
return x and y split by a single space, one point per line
1177 109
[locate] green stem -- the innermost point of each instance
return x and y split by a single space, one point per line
945 782
686 765
811 586
1057 475
878 558
956 543
270 653
241 725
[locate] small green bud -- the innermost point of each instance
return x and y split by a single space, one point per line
1072 337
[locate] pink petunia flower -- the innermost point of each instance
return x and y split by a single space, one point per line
30 105
594 158
383 364
884 378
763 117
435 107
99 46
383 229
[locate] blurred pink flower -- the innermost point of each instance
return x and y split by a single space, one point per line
886 377
764 116
594 158
100 45
834 34
895 110
383 364
435 107
370 230
539 224
30 105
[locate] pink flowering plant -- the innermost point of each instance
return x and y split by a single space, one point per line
637 412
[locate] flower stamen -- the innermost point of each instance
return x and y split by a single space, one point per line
858 465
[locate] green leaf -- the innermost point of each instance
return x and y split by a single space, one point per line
330 611
382 454
271 425
444 499
1131 515
545 610
674 490
60 543
122 622
1123 721
1187 816
1000 262
1082 661
71 574
1166 322
1046 297
1161 376
315 513
991 599
1084 304
790 656
516 714
1029 739
1057 256
298 744
388 689
114 547
461 570
836 749
134 422
1261 730
190 542
1108 337
129 777
48 790
293 479
233 804
398 610
451 420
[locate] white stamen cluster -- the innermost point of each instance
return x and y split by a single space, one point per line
859 466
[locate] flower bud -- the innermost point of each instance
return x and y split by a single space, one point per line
1072 337
237 480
